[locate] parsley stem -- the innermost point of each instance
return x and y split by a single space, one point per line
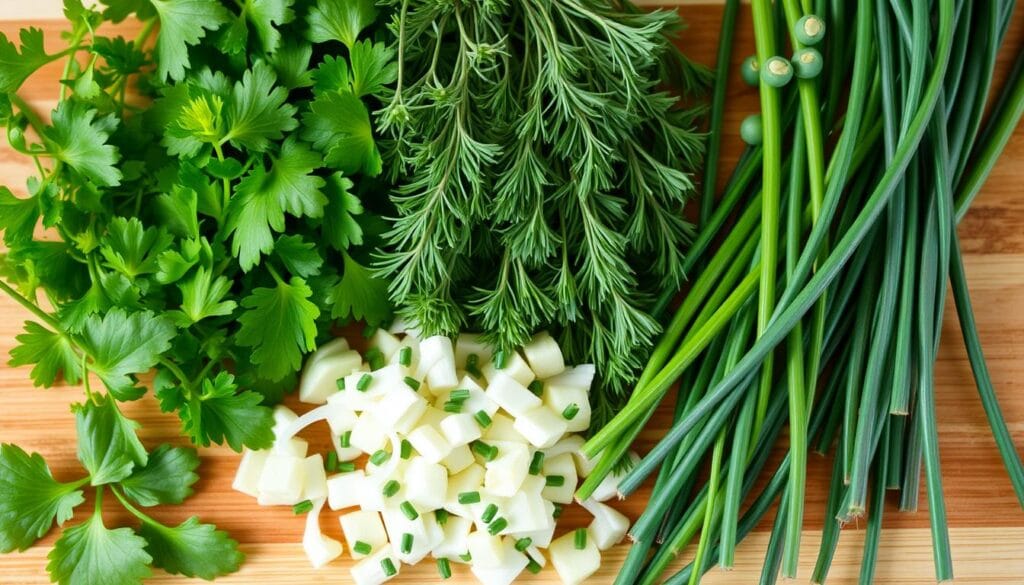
34 119
70 52
132 509
226 183
144 33
178 373
32 307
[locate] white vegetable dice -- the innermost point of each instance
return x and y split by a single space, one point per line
363 526
460 429
511 395
487 551
425 484
315 485
540 426
564 468
471 343
370 570
569 399
581 376
505 474
368 434
282 480
544 355
609 487
319 549
609 526
574 565
505 573
396 404
456 530
515 367
320 378
435 350
386 343
344 489
459 459
247 478
429 443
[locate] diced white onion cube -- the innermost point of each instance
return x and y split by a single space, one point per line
340 419
282 480
569 444
315 486
609 487
609 526
564 467
363 526
471 343
487 551
544 355
456 529
386 342
368 434
561 399
460 429
581 376
320 378
505 474
434 350
344 489
470 479
512 564
515 367
540 426
503 429
574 565
370 570
429 443
247 478
425 484
396 404
527 513
459 459
511 395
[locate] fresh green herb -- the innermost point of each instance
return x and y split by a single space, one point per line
364 382
554 480
557 513
391 488
469 497
409 511
441 515
380 457
444 568
412 383
406 546
452 407
537 387
362 548
346 467
570 412
466 557
533 567
460 395
302 507
482 418
537 463
405 449
523 543
488 452
375 358
489 513
340 383
331 463
579 538
405 356
497 526
388 567
500 360
345 440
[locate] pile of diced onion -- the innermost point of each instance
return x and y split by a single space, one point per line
471 458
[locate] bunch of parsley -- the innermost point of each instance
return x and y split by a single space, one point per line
541 172
199 199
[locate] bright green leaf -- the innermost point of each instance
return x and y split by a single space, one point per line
183 23
78 139
291 64
166 478
51 353
360 295
223 414
15 67
192 549
340 226
257 112
107 444
30 499
121 344
338 125
373 67
301 258
17 217
331 20
203 296
280 325
132 249
332 75
92 554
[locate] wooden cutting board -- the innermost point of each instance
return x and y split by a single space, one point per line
986 523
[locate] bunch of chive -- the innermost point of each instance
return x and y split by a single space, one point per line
861 240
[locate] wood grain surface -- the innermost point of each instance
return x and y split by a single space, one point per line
986 523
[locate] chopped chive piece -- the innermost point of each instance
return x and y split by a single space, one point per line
482 418
453 407
406 543
580 538
406 449
466 557
523 544
389 567
554 480
346 466
489 513
469 497
369 330
340 383
472 361
412 383
500 360
441 515
332 461
475 372
537 387
497 526
391 488
537 463
364 382
346 439
405 356
571 411
444 568
362 548
533 567
409 511
488 452
460 395
375 358
558 511
302 507
380 457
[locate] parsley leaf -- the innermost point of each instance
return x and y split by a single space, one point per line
107 444
132 249
30 499
332 75
291 63
340 226
222 414
183 23
361 295
280 325
373 67
92 554
257 112
331 20
51 353
192 549
15 67
298 256
121 344
338 125
202 296
264 15
167 477
17 217
79 139
262 198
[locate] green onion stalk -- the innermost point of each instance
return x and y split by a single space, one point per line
842 216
